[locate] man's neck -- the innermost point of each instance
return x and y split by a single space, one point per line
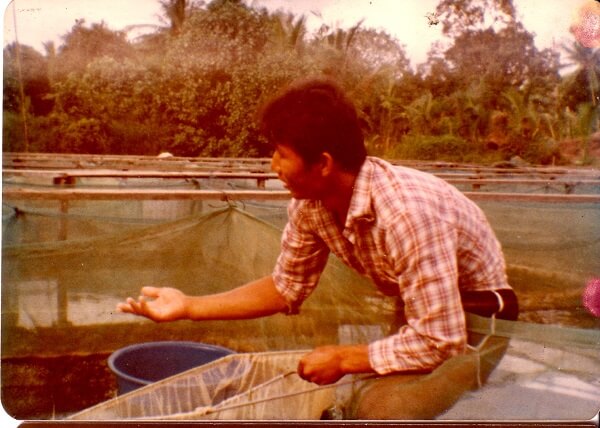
337 200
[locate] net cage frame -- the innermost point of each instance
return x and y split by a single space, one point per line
76 181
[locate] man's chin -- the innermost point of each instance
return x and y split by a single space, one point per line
299 195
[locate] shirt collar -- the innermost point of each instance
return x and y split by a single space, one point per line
360 203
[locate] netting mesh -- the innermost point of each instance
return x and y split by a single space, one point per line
246 386
551 249
199 255
63 270
541 373
548 372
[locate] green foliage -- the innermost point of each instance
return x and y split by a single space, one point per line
83 45
583 84
85 135
12 132
462 16
193 87
32 70
434 147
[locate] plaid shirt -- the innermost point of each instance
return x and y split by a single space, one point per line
415 236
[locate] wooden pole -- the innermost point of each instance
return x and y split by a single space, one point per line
20 78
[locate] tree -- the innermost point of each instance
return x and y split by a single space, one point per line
583 84
82 45
175 13
379 99
224 32
491 54
503 59
581 92
289 32
462 16
193 87
33 75
377 50
331 47
175 10
26 91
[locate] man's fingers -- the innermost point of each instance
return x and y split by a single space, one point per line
150 291
141 306
124 307
129 306
144 304
301 369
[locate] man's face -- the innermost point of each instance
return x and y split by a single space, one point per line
304 181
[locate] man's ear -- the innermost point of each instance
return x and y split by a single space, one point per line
326 163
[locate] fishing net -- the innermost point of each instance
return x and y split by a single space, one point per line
543 372
79 281
248 386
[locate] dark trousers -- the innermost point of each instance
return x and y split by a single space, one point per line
410 396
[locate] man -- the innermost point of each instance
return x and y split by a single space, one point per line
414 235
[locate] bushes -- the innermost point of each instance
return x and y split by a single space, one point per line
434 147
85 135
451 148
195 92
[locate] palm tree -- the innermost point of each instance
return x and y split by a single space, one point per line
175 11
587 62
420 114
289 31
337 41
152 37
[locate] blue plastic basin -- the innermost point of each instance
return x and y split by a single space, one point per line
144 363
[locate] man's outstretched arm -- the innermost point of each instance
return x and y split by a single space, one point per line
255 299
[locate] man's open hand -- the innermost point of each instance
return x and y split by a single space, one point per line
157 304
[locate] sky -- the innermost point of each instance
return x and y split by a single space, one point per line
39 21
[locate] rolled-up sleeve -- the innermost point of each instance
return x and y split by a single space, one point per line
424 252
301 261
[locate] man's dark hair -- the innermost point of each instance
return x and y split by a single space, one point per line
315 116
